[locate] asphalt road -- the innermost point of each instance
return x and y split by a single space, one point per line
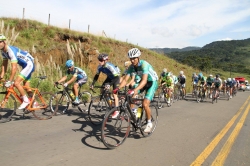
188 133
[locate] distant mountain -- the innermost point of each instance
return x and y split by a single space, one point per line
233 55
169 50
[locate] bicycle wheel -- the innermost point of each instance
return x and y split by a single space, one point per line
154 120
97 110
198 97
213 96
8 108
161 100
85 98
63 102
45 99
114 131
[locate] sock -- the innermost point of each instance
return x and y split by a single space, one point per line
77 98
149 121
25 99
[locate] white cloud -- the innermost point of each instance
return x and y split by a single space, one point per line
225 39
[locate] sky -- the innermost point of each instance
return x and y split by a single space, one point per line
147 23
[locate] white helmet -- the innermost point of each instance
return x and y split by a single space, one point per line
210 75
134 53
229 79
181 72
165 70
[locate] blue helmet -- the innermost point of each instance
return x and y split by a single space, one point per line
69 63
200 75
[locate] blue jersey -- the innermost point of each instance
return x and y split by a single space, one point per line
78 73
17 55
109 69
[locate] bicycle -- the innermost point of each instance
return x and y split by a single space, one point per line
114 131
215 95
38 106
201 93
65 98
163 97
100 105
195 90
180 93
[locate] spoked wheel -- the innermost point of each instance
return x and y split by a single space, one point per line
63 102
85 99
114 131
8 108
198 97
97 110
161 100
154 120
47 100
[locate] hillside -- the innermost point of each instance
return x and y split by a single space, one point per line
169 50
52 46
231 55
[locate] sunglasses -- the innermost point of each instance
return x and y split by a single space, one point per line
101 60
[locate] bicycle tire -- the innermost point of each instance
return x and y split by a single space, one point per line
161 100
213 96
154 120
114 131
198 97
85 99
63 102
45 113
97 110
9 108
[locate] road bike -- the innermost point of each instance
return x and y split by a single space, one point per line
66 97
215 94
39 104
114 131
201 93
163 97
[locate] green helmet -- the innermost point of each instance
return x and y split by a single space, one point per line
2 38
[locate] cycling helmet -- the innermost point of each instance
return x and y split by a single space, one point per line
2 38
103 57
200 75
181 72
127 63
134 53
194 74
210 75
217 75
69 63
164 70
229 79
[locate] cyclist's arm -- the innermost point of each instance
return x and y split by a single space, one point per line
62 79
131 81
4 67
124 81
95 79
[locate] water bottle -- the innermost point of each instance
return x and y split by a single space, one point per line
134 111
139 111
72 95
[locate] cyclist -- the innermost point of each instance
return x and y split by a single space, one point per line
164 71
169 82
113 76
202 80
230 85
217 83
126 65
209 82
182 81
234 84
195 81
23 59
148 81
79 78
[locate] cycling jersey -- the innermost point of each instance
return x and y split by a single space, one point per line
217 82
169 82
230 84
203 79
23 58
195 79
78 73
182 79
109 69
209 81
143 68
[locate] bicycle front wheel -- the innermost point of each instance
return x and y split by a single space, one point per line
44 104
97 110
8 107
63 102
114 131
161 100
85 99
154 120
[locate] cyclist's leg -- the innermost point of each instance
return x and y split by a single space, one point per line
115 83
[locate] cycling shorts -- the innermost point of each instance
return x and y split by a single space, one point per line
150 89
27 71
113 82
82 81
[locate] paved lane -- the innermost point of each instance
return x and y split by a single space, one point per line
184 130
